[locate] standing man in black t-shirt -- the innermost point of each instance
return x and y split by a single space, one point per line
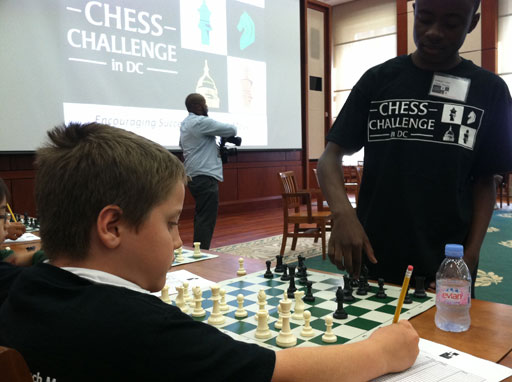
435 129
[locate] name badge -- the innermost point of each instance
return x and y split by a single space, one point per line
450 87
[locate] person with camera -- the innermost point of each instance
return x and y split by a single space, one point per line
203 164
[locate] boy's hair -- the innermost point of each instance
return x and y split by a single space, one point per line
87 167
4 191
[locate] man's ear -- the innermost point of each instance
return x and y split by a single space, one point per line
108 224
474 22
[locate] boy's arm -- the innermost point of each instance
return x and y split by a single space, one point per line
348 238
389 349
484 199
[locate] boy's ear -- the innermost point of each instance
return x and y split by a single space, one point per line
108 224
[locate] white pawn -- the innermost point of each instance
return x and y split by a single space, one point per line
179 257
223 306
279 323
329 336
180 301
241 271
262 331
216 317
307 330
298 313
198 309
197 250
165 294
240 312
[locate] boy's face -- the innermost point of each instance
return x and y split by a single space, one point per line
150 251
3 224
440 28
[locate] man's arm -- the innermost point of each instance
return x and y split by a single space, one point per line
484 199
348 239
389 349
210 126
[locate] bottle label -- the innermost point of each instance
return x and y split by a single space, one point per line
451 295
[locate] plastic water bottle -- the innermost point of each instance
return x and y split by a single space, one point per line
453 291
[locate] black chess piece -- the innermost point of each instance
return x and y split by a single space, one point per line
354 283
304 279
380 292
408 298
340 312
419 287
25 218
301 270
361 290
279 264
364 273
285 276
268 274
347 290
291 288
309 292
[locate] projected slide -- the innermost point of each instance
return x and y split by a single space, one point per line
131 64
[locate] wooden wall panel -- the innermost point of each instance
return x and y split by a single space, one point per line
23 196
259 182
489 20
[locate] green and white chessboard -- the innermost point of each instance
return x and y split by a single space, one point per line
365 314
188 257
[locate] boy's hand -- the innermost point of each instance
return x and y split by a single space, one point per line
15 230
398 344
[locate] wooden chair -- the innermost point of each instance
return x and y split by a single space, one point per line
13 367
351 176
298 210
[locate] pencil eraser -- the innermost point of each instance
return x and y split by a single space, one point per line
410 267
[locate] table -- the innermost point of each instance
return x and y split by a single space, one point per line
489 336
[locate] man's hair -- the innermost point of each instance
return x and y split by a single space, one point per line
84 168
476 5
4 191
192 100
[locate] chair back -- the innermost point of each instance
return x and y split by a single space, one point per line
289 186
13 367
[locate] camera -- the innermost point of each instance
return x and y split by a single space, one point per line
224 151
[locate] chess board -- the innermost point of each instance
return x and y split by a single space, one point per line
188 255
365 313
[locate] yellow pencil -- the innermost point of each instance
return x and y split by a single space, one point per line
405 285
13 217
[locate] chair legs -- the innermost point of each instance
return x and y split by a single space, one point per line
295 236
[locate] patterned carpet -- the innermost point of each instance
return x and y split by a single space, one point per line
494 280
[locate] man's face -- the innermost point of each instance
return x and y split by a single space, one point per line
204 108
440 28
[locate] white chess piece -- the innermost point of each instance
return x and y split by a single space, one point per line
241 271
179 255
180 301
240 312
197 250
186 296
262 301
223 306
307 330
285 338
279 323
165 294
329 336
216 317
298 313
262 331
198 308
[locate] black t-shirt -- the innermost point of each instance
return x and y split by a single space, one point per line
422 153
71 329
8 274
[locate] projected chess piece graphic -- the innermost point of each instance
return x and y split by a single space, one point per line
204 23
246 24
207 88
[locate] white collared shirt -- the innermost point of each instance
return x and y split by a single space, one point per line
100 277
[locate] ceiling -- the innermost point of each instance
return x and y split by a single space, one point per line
335 2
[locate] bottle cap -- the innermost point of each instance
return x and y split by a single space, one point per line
454 250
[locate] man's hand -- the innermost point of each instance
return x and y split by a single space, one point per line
15 230
347 242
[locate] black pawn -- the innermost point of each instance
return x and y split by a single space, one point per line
408 298
279 264
340 313
285 276
419 285
268 274
347 290
309 292
304 279
380 292
291 288
361 290
25 218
